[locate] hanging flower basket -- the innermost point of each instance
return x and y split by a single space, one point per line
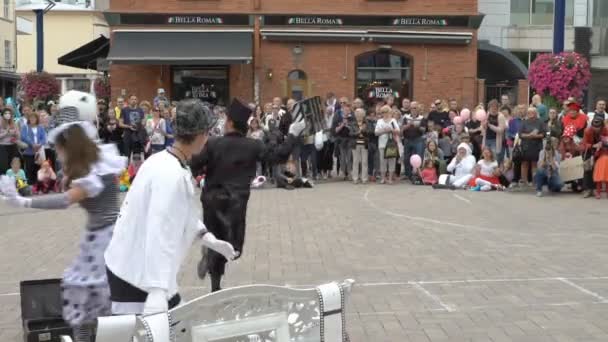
560 76
102 88
40 87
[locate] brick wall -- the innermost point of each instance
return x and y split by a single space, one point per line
365 7
141 80
438 71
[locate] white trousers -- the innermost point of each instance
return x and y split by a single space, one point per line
461 181
359 157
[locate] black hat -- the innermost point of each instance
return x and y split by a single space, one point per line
239 112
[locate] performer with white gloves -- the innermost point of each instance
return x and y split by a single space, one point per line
159 221
91 171
229 164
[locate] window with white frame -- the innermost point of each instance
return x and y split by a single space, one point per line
600 13
7 13
538 12
8 63
81 84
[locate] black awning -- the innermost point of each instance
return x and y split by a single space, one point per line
181 47
86 56
497 64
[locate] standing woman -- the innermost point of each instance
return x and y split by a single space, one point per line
531 132
157 131
34 136
326 155
169 116
386 128
90 171
9 135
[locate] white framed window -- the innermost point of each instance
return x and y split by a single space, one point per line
8 63
81 84
538 12
7 12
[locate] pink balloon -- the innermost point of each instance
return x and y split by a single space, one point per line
457 120
465 114
481 115
415 161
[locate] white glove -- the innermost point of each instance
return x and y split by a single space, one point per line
297 126
10 194
220 246
156 302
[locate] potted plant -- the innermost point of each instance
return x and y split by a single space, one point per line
559 76
40 87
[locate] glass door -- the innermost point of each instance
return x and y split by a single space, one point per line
209 84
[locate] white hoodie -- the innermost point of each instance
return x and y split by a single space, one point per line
466 166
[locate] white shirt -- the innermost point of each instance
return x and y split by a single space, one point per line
156 130
158 222
35 134
382 125
487 168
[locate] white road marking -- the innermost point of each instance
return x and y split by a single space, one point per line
466 200
584 290
433 297
438 222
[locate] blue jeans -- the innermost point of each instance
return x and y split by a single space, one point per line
553 182
411 147
373 160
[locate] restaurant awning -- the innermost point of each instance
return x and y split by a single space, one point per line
86 56
182 47
378 36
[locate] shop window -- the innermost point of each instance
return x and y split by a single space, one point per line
83 85
297 85
600 13
206 84
538 12
382 73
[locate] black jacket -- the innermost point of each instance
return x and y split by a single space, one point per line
230 161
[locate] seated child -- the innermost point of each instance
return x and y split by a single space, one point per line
46 178
17 173
136 161
429 173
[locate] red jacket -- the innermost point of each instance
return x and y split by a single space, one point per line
591 139
580 122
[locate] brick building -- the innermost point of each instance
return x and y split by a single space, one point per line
259 49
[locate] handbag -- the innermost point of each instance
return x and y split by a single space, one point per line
392 148
518 152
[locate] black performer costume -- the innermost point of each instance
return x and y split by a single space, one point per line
229 164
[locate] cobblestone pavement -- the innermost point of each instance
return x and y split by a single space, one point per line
429 265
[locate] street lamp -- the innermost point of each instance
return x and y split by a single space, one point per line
40 34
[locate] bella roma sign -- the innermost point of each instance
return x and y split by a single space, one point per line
314 21
195 20
367 21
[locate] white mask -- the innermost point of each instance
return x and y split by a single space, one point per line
7 116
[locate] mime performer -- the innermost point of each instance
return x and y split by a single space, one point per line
229 164
159 221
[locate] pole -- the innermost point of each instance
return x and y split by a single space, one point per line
559 26
39 39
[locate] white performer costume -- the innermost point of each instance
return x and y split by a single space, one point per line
158 222
85 290
462 170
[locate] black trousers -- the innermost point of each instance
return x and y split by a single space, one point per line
224 214
326 157
31 169
7 153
